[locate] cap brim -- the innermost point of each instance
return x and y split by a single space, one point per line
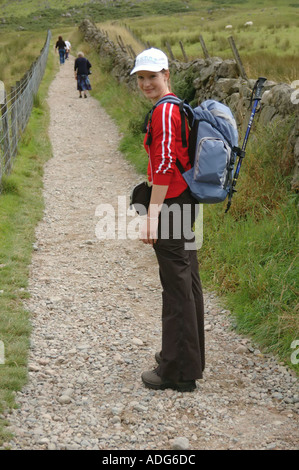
149 68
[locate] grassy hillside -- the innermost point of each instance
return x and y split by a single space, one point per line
37 15
267 48
18 50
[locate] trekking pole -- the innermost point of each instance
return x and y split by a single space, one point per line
258 87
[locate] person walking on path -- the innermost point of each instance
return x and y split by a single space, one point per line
82 68
60 46
67 49
182 358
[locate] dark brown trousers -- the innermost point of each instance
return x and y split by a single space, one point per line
183 356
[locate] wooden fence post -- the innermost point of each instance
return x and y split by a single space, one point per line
237 57
14 122
132 52
204 48
5 134
22 104
121 43
183 51
169 51
24 101
129 51
17 106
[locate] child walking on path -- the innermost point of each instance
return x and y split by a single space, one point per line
182 358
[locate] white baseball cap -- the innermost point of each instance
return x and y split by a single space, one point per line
152 60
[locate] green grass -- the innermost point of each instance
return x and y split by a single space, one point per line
250 255
34 15
253 264
21 207
18 50
267 48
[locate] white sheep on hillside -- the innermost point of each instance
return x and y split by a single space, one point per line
248 23
229 26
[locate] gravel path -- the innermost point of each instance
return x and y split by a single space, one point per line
95 309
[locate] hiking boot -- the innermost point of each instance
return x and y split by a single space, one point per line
151 379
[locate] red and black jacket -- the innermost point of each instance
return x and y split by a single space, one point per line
164 148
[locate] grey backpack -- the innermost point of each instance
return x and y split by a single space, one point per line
213 142
213 145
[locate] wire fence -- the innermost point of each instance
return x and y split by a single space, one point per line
16 107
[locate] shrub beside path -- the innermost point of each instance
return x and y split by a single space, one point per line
95 309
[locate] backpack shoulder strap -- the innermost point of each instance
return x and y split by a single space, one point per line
185 111
168 99
148 119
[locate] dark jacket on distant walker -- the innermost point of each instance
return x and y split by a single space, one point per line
82 67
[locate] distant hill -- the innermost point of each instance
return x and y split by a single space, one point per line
36 14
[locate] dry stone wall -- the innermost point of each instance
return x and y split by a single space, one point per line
213 78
